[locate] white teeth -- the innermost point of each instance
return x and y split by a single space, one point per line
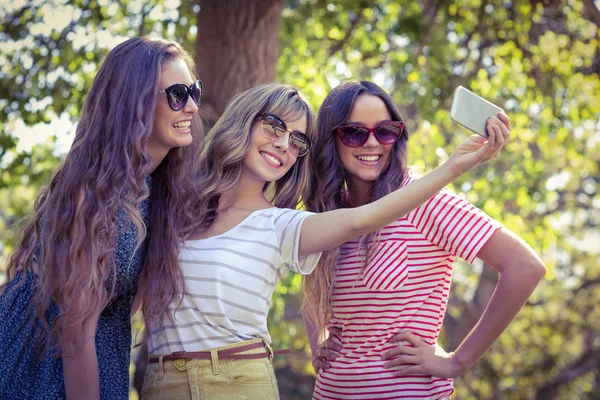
271 158
182 124
368 158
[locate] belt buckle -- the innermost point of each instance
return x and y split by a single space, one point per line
180 362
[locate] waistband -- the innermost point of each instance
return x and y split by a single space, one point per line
226 354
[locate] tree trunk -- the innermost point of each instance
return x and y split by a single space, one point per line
237 47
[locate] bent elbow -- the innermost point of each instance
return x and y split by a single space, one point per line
536 269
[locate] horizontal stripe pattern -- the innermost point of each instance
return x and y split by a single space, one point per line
403 287
229 282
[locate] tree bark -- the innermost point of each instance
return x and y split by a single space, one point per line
237 47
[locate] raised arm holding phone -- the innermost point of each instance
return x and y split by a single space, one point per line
383 296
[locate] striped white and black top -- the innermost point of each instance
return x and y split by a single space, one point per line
229 282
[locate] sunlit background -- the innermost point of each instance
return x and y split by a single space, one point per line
539 60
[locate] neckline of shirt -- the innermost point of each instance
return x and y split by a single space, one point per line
232 229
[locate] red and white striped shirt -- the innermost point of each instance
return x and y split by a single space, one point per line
404 287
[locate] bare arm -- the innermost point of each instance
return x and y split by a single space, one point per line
330 229
80 366
327 230
520 271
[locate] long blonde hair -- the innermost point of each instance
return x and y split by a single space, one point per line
227 143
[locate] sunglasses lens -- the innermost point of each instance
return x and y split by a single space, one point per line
388 133
272 127
353 136
299 144
177 95
196 92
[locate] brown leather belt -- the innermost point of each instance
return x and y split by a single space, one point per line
227 354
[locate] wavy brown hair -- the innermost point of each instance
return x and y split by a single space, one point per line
327 189
105 171
227 143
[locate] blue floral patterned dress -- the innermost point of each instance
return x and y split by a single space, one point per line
27 374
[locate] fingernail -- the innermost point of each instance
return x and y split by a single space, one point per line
328 365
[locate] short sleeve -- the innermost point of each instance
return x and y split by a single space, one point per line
287 227
454 224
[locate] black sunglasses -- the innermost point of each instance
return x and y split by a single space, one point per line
357 136
178 94
274 128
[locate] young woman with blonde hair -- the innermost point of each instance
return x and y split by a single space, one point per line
383 296
65 327
215 342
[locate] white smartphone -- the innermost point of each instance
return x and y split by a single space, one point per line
472 111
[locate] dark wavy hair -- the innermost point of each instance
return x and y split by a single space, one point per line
105 170
327 188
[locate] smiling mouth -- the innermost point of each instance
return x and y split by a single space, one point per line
182 126
373 158
272 160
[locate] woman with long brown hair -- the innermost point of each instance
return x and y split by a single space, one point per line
111 212
214 342
392 286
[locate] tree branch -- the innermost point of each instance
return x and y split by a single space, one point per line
14 25
341 43
430 11
591 12
146 10
586 284
589 361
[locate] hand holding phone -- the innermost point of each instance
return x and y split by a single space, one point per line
472 111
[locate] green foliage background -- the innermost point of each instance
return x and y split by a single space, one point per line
538 59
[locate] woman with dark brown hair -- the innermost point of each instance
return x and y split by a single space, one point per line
65 327
383 296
